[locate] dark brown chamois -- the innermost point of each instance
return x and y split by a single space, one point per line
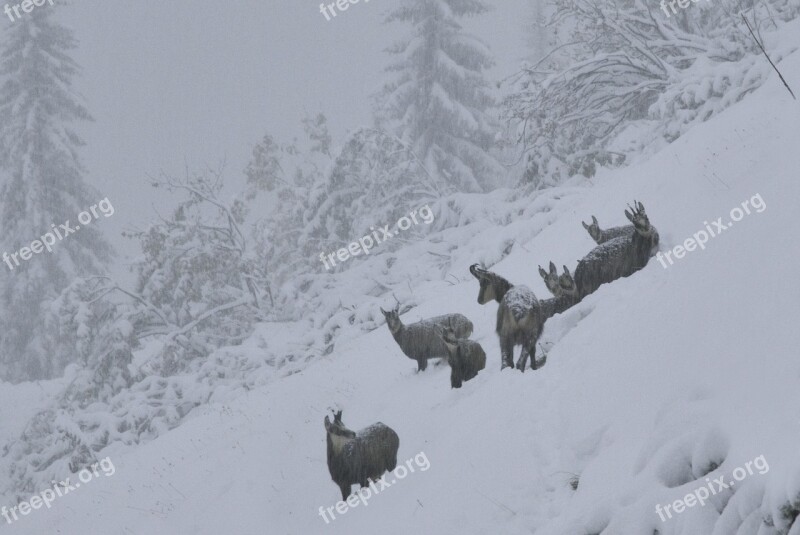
618 257
359 457
519 320
565 291
466 358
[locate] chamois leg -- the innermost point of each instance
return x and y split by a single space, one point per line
422 363
455 379
523 358
391 464
468 373
455 375
533 355
345 488
506 353
464 371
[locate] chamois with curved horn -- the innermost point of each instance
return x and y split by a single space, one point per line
519 320
566 295
618 257
357 457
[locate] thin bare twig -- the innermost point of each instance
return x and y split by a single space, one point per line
767 56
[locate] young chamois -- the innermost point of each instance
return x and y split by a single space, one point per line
466 358
618 257
422 341
358 457
601 236
519 319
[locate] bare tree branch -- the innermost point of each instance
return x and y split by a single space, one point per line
767 56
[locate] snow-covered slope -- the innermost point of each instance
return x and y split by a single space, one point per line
649 383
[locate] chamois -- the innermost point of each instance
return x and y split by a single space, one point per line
601 236
422 341
466 358
519 320
618 257
358 457
565 291
566 295
551 279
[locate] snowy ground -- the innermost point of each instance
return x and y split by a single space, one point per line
649 382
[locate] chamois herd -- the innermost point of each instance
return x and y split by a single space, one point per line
357 457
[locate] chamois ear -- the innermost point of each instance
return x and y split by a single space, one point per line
629 216
327 422
383 311
338 417
553 270
594 221
566 271
542 272
585 225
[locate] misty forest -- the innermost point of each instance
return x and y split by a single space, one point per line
397 266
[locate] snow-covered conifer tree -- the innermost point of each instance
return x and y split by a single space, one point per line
439 100
41 184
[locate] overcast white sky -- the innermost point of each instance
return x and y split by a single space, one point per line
202 80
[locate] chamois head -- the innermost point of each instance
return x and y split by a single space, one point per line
393 319
550 279
639 219
449 339
566 284
493 287
593 229
337 428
